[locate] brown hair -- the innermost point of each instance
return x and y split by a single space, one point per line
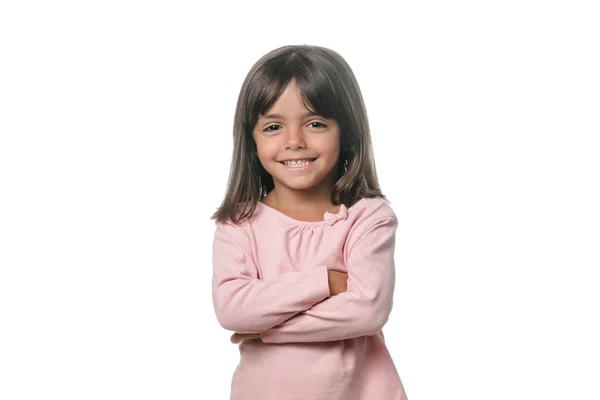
328 87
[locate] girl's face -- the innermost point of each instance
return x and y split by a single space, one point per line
298 148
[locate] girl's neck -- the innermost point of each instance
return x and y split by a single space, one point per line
305 205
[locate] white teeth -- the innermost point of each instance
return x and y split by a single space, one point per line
297 163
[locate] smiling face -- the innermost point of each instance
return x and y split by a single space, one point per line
297 147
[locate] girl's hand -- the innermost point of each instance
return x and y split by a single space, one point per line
238 337
338 282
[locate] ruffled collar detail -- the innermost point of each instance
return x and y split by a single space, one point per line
332 218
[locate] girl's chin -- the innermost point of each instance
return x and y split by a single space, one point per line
299 183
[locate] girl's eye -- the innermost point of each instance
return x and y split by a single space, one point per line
318 124
269 128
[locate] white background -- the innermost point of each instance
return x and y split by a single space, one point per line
116 121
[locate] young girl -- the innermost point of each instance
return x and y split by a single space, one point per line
303 261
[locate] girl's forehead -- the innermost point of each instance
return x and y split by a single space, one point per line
291 103
288 114
293 99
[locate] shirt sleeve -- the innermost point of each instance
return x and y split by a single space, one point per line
245 304
364 308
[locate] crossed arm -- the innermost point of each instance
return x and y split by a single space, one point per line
298 306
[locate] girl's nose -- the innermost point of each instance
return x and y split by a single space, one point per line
294 139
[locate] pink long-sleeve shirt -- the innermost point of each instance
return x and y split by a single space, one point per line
270 276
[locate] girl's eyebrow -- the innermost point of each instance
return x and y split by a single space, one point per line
279 116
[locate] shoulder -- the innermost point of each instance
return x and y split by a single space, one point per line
368 210
237 232
369 216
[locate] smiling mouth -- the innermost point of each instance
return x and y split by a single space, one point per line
298 163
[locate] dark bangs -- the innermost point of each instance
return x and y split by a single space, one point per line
273 78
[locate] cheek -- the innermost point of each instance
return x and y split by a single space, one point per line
332 147
262 146
267 154
266 151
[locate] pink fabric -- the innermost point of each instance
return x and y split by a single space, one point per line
270 276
